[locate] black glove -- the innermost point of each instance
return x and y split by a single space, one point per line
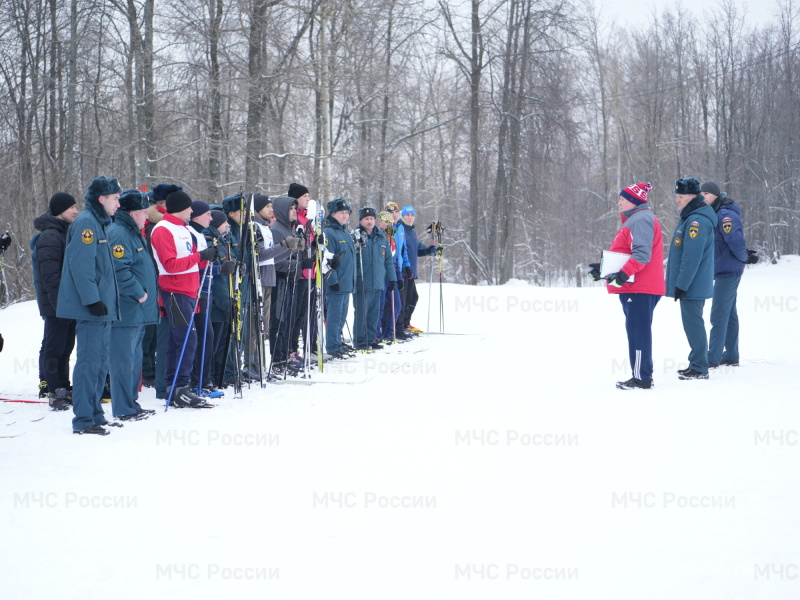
594 274
439 250
752 257
5 242
334 287
391 285
228 267
399 284
208 253
98 309
1 342
618 278
336 261
679 293
408 273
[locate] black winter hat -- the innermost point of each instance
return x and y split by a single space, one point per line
260 201
338 204
711 187
367 211
60 202
178 201
218 218
232 203
687 185
296 190
162 190
199 208
102 186
131 200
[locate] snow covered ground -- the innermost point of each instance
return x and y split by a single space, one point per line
499 464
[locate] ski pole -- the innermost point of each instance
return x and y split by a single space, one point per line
205 331
185 339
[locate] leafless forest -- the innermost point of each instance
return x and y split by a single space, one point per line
513 122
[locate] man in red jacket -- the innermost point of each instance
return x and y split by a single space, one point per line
179 262
640 238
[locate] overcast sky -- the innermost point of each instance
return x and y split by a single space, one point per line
632 11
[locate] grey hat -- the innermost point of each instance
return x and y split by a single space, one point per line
711 187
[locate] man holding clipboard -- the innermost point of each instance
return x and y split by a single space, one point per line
634 269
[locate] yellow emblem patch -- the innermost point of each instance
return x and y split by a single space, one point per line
87 236
118 251
678 242
693 231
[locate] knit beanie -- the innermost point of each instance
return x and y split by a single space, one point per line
199 208
218 218
260 201
296 190
60 202
178 201
711 187
636 193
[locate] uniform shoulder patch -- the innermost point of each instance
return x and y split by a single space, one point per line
678 242
87 236
118 250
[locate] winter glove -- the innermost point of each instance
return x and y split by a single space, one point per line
5 242
594 274
439 250
391 285
407 273
292 244
679 293
98 309
208 253
336 261
617 279
752 257
399 284
1 342
228 267
334 287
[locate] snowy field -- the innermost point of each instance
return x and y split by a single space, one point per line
499 464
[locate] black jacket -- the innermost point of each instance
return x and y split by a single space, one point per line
47 252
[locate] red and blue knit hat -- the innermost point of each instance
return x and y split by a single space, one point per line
636 193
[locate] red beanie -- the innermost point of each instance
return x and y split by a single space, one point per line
636 193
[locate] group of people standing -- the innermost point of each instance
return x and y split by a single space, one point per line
706 259
147 286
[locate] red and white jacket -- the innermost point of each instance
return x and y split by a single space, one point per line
176 253
640 236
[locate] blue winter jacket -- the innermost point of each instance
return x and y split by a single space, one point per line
135 271
88 272
690 266
376 259
400 248
338 239
414 246
730 249
221 285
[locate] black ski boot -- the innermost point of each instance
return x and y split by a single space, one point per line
635 384
60 400
95 429
688 374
